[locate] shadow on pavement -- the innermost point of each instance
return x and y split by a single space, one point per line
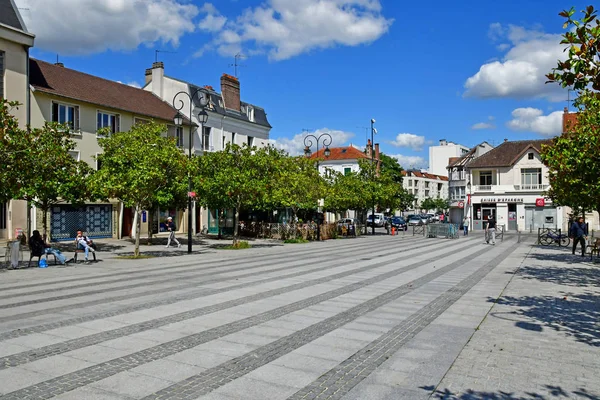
575 315
571 276
552 392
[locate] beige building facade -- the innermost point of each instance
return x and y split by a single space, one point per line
15 42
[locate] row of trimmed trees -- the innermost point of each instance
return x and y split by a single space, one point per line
146 170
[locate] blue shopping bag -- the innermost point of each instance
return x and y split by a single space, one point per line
43 263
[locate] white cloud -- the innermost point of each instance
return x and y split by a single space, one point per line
295 145
409 140
410 162
533 120
92 26
521 72
483 125
284 29
213 21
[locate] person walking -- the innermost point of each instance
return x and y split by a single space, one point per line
466 226
490 230
170 226
579 233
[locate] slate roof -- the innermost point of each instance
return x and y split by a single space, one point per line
340 153
69 83
216 102
507 153
9 15
419 174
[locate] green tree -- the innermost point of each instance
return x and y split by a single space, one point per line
143 169
235 178
573 158
441 204
38 167
295 182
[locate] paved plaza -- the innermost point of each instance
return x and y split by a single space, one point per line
375 317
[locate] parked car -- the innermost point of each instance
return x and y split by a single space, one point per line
425 218
416 221
379 220
433 218
346 222
396 222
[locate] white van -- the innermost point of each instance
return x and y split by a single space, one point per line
379 220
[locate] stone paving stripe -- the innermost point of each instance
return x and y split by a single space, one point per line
189 264
148 281
147 305
140 294
65 383
17 359
213 378
338 381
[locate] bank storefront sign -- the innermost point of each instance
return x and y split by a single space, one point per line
502 200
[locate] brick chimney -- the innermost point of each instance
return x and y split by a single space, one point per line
230 90
148 75
369 148
377 160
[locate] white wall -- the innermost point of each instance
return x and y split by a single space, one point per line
439 155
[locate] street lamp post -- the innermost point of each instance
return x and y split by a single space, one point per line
308 143
179 103
470 204
373 131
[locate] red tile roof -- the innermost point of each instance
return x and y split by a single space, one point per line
72 84
427 175
340 153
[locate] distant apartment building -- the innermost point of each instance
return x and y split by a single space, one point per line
439 156
458 178
424 185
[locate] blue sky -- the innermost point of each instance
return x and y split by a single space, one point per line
465 71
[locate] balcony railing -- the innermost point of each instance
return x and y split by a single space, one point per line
532 187
483 188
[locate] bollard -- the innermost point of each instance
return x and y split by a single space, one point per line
393 230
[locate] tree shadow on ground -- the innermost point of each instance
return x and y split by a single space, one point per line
161 253
553 392
570 276
565 258
574 315
226 246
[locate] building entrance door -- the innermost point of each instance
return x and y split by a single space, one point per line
487 212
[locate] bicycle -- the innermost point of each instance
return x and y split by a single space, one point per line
549 238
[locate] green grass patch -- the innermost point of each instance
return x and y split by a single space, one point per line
141 256
297 240
238 246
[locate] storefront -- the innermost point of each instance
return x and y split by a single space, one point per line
526 212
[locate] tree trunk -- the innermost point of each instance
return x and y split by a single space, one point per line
219 224
136 228
150 226
45 222
235 225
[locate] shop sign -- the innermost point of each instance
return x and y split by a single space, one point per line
502 200
541 202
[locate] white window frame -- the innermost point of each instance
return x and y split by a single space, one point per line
72 152
206 133
117 121
179 140
76 129
250 141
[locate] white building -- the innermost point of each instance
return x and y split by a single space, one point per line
230 120
439 156
509 183
424 185
457 180
341 159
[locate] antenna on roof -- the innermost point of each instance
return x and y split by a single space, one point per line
569 98
161 51
366 128
235 64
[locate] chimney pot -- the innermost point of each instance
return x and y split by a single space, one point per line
443 142
158 64
566 110
505 140
59 64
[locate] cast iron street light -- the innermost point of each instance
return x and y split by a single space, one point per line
308 143
373 131
202 96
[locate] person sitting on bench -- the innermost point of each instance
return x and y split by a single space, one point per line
38 246
85 244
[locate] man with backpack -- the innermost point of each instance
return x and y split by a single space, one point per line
579 233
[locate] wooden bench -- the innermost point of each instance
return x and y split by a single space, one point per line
82 251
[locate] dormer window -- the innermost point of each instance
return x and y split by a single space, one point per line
250 113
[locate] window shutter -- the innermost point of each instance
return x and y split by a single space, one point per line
1 74
76 119
54 112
